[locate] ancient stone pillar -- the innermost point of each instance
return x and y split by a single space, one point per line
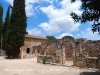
62 55
21 54
30 51
38 59
35 52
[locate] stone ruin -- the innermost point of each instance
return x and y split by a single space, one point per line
82 52
57 51
31 46
86 54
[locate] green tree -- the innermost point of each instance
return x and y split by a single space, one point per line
17 28
50 37
5 28
1 22
91 12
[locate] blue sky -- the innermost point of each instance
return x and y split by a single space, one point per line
51 17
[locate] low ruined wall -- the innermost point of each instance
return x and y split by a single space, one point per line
49 59
79 62
84 49
87 63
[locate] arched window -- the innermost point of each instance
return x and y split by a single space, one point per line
28 50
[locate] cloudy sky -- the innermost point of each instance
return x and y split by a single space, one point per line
51 17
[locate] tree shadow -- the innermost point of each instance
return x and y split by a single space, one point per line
90 73
11 58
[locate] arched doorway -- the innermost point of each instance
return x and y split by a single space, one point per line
28 50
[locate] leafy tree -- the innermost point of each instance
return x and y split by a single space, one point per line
17 28
1 22
5 28
89 40
50 37
91 12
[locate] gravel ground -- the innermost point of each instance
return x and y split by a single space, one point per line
31 67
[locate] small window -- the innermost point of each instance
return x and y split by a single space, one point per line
28 50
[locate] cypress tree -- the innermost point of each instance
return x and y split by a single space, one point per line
5 28
17 28
1 22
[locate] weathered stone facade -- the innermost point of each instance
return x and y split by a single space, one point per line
30 44
58 50
81 51
86 53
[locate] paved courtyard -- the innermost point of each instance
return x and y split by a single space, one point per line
31 67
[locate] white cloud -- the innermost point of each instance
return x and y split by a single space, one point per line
34 31
64 34
58 24
89 35
29 6
59 18
30 9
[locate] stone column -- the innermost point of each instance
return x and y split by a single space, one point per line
35 53
30 51
62 55
21 54
74 56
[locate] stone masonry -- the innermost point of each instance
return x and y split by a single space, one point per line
30 44
86 53
81 51
60 50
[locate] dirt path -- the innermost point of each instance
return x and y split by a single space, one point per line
31 67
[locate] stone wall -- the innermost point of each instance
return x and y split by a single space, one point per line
78 50
30 45
84 50
60 49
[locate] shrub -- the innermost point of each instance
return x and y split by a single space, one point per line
44 58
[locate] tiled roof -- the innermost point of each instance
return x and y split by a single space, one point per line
35 37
